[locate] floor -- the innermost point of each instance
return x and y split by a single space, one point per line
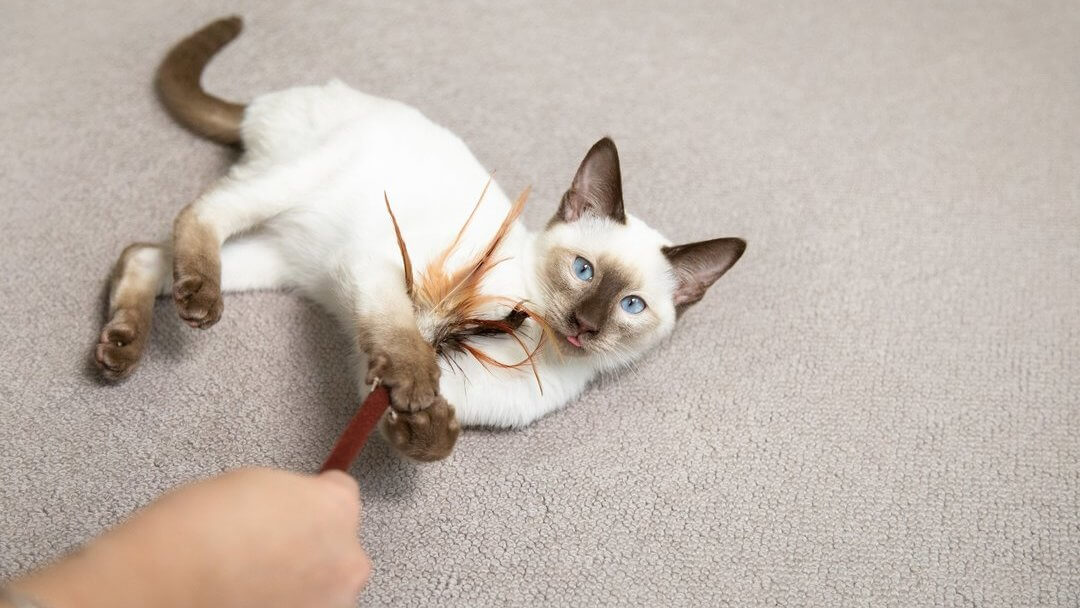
878 406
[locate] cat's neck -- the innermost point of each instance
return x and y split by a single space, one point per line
528 266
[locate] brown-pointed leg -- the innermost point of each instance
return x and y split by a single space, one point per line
238 202
405 364
386 331
135 282
196 269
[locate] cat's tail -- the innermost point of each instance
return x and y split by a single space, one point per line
182 94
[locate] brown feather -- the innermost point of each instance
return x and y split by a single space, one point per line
440 261
406 262
455 297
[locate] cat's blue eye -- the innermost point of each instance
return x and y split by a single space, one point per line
632 304
582 268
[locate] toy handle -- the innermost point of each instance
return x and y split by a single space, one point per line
355 435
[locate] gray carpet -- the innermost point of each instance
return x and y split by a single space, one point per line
877 407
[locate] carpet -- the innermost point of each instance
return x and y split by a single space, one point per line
878 406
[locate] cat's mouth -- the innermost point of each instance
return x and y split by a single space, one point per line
570 339
573 342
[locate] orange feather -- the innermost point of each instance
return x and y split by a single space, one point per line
455 296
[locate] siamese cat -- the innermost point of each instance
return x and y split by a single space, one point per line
305 208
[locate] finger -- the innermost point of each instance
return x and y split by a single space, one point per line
351 576
361 570
343 485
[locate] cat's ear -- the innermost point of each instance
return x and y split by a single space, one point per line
698 265
597 187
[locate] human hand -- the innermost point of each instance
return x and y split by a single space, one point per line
254 537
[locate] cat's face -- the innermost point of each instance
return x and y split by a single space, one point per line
611 286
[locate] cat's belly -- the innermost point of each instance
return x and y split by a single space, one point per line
360 151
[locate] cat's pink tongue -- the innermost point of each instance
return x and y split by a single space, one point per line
574 340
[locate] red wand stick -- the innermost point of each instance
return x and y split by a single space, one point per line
354 437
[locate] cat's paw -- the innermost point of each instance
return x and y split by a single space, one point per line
425 436
120 345
410 372
198 299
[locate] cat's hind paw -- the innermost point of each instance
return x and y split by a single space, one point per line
120 345
198 300
427 435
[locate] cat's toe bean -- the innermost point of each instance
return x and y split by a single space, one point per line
198 300
399 436
425 436
119 334
409 372
119 348
421 420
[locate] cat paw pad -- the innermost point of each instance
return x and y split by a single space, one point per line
119 346
410 372
427 435
198 300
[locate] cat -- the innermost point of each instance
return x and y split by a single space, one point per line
305 208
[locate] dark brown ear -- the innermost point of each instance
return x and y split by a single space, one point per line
597 187
699 265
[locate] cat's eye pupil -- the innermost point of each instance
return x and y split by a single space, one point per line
582 268
632 304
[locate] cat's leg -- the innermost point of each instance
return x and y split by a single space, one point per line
142 273
243 200
398 355
421 424
198 233
139 274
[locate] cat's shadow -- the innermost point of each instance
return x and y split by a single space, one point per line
90 370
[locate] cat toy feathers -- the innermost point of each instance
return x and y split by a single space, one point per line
455 299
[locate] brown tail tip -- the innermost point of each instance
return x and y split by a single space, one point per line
234 22
180 89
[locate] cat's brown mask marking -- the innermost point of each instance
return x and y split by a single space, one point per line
602 295
574 305
597 191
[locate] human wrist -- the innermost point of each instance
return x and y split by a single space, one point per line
104 574
9 598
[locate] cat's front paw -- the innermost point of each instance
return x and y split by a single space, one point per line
198 298
410 372
426 436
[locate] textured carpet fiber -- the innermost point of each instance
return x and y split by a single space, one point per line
879 406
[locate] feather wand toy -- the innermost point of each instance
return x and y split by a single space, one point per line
455 299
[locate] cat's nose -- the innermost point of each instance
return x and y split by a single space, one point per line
584 324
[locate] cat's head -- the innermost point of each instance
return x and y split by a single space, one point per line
611 286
